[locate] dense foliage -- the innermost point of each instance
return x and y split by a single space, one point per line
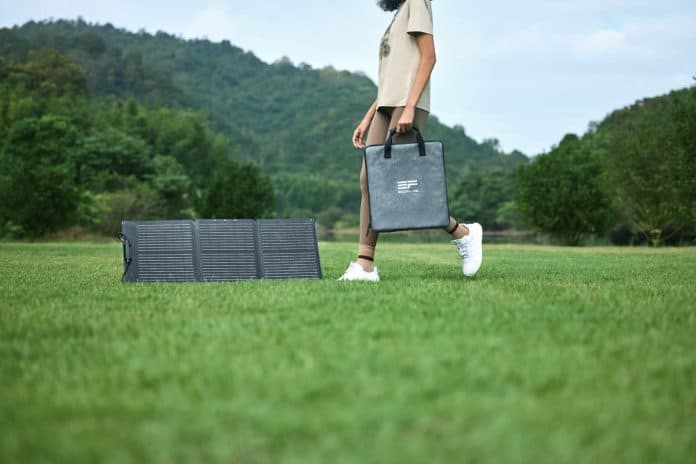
237 192
562 192
488 197
37 188
111 124
66 159
650 155
293 121
634 171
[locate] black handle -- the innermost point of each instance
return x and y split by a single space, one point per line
126 254
390 140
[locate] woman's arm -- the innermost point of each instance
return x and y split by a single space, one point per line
361 131
426 45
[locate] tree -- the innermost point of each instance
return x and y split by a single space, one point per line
173 186
485 196
305 193
47 83
138 202
38 193
51 73
238 191
563 192
108 157
650 156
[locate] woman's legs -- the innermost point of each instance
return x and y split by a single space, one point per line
468 241
379 129
382 123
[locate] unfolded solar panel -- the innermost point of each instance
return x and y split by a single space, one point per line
219 250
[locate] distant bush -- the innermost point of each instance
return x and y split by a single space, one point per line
38 190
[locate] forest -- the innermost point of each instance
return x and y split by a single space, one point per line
98 124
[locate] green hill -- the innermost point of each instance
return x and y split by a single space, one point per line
295 122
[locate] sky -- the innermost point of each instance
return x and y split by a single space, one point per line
525 73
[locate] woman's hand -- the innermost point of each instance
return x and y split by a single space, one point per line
405 123
360 134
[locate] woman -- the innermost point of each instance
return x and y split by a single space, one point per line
406 61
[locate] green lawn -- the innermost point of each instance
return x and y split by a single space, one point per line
550 355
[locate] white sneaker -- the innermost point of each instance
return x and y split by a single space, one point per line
356 272
470 248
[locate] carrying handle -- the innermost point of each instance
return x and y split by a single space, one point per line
126 254
390 140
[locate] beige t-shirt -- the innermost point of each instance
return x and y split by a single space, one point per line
399 55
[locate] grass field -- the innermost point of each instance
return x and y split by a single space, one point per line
550 355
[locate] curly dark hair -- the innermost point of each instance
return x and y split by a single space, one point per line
390 5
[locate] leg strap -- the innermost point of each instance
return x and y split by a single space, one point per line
456 224
366 258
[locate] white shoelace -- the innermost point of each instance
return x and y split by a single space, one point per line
464 248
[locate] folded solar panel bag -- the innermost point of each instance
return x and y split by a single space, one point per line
406 185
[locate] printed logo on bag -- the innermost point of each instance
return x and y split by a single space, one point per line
407 186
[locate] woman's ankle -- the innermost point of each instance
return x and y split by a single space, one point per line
460 232
368 265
